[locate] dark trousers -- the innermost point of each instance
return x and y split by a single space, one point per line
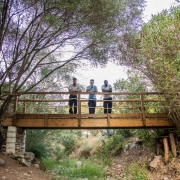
71 103
92 106
107 106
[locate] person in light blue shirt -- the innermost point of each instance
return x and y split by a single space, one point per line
92 97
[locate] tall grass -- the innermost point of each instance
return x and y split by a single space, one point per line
67 168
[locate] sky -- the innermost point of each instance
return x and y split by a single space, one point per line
113 72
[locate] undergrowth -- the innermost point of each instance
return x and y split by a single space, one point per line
67 168
136 172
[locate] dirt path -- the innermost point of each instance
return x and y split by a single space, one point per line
13 171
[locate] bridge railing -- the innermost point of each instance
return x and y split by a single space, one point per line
127 105
57 102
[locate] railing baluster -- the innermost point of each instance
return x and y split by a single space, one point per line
143 110
15 109
79 109
24 107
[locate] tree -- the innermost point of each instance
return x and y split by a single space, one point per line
35 34
155 52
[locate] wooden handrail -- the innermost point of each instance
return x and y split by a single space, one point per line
98 93
133 102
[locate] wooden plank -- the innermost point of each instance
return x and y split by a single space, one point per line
7 122
43 115
63 123
15 104
158 122
143 110
172 143
79 110
128 122
30 116
94 123
113 93
129 115
94 115
24 108
156 115
29 122
108 120
46 120
166 149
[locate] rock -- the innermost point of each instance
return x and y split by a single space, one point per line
78 163
4 177
2 162
29 156
36 166
155 161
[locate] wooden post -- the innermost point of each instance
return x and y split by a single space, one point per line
46 120
134 109
172 143
178 143
79 109
24 107
166 149
108 120
15 104
14 113
143 110
157 148
157 140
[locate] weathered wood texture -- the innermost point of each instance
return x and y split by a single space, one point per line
166 149
172 143
112 121
138 108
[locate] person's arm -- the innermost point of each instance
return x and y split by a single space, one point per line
70 90
95 90
88 88
79 89
109 90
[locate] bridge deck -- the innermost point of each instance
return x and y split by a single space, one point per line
87 121
130 110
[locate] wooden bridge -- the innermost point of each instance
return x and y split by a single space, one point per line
49 110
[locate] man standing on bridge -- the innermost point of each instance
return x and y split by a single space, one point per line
92 97
75 87
107 97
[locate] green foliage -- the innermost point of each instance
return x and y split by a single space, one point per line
39 150
68 143
67 168
136 172
115 143
139 173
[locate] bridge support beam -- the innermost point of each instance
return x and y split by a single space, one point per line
15 141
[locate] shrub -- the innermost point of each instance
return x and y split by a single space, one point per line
39 150
68 144
136 172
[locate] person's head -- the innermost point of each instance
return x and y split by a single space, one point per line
74 81
105 82
92 81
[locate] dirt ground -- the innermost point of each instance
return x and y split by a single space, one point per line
13 171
